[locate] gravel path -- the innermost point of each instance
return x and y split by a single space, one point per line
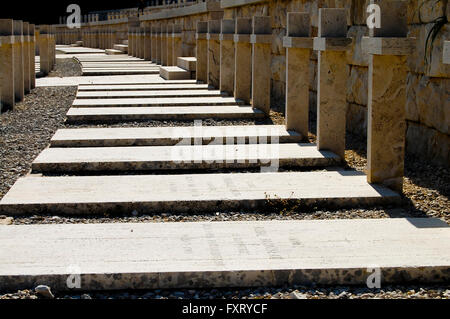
66 67
27 130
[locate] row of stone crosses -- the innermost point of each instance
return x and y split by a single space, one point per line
235 57
17 59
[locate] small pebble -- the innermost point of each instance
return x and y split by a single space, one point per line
44 291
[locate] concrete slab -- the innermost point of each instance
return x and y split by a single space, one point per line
78 50
141 87
121 47
162 113
224 254
187 63
106 58
193 193
120 68
116 65
108 80
154 136
88 72
182 156
174 73
113 52
169 101
154 93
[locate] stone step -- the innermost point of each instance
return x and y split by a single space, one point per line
148 94
190 193
125 42
142 87
141 158
104 72
172 255
121 47
174 73
113 52
159 136
187 63
169 101
137 68
78 50
146 79
106 58
105 114
123 64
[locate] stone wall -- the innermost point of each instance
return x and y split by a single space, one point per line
428 84
187 17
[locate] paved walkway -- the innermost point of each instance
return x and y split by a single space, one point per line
106 80
116 65
224 254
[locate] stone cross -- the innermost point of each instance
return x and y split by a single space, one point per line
243 64
163 44
26 58
169 44
109 41
130 41
227 62
147 44
133 23
102 38
136 41
7 95
261 40
202 52
155 31
158 44
332 44
141 43
44 49
114 37
19 88
388 48
32 32
213 53
177 43
84 37
53 46
97 38
298 44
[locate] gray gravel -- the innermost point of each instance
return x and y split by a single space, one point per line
26 131
294 292
154 123
66 67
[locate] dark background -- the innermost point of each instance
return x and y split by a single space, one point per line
48 12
